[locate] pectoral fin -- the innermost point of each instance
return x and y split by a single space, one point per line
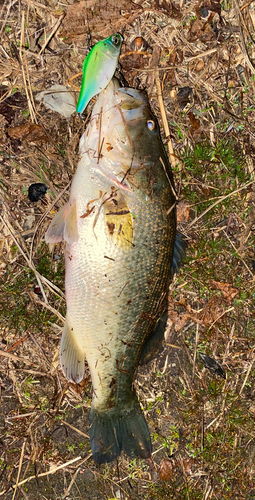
71 357
63 226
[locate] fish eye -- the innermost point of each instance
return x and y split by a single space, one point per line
115 39
151 125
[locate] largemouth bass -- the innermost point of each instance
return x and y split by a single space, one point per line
98 68
119 226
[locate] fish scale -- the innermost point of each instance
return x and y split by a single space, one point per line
120 242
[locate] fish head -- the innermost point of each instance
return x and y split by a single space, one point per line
123 138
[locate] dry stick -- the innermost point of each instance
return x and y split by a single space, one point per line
20 465
243 46
54 29
37 275
16 358
52 309
21 55
164 119
173 190
33 2
76 430
195 352
223 314
52 471
71 484
10 5
247 374
244 263
219 200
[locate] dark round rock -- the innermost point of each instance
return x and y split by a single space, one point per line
37 191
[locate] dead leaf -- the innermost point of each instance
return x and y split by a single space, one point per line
212 310
200 30
183 211
9 106
199 66
196 27
178 320
195 123
137 60
168 8
226 289
30 132
209 314
166 470
101 18
187 465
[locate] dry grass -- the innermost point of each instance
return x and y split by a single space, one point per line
202 425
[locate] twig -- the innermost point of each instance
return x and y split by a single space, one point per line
244 263
16 358
52 309
168 178
20 465
71 484
164 119
243 46
22 415
222 314
52 471
247 374
219 200
31 265
76 430
195 352
22 55
54 29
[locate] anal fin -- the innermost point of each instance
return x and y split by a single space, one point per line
71 357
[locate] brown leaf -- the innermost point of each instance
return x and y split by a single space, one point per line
209 314
183 211
195 30
212 310
101 18
166 470
195 123
199 66
178 320
134 59
187 464
200 30
30 132
226 289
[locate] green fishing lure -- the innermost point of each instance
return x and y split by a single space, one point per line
98 69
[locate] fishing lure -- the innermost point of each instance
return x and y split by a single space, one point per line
98 69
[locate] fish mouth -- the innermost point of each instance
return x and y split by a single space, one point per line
137 96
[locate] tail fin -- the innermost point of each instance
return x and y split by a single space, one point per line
117 429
